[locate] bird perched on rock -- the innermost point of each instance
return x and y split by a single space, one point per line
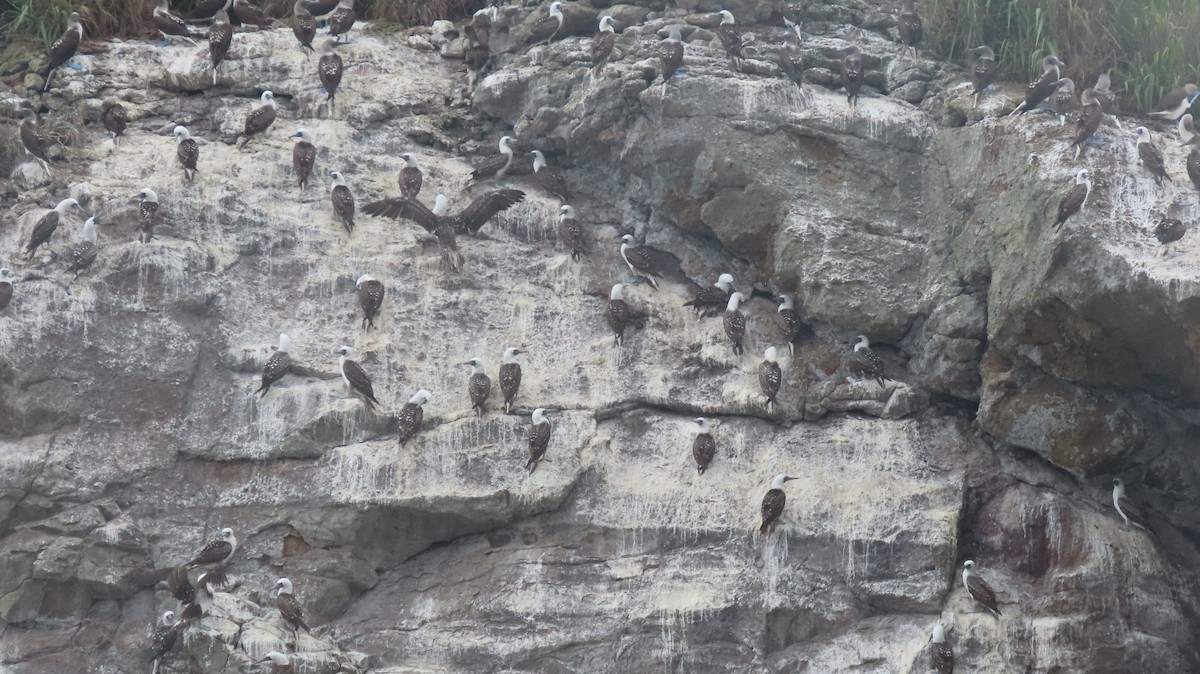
772 504
794 329
187 152
1041 88
941 654
704 446
770 376
33 140
1176 102
910 27
342 20
1108 100
1170 229
731 38
289 607
412 415
735 322
853 74
217 553
304 27
479 386
279 364
260 119
115 118
304 156
84 253
343 201
220 36
329 70
983 71
370 298
978 588
547 178
510 376
355 377
571 233
1125 508
602 45
163 639
710 299
410 178
45 226
791 61
1075 199
793 16
539 439
250 15
6 287
64 48
1151 156
181 587
495 166
1090 115
1063 101
619 315
169 24
670 54
865 363
649 262
147 214
545 28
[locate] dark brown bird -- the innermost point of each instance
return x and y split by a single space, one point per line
619 315
853 74
602 45
1075 199
704 447
571 233
1041 88
33 140
794 329
217 551
547 178
329 69
147 214
279 364
1151 156
250 15
1063 101
411 416
539 439
479 386
865 363
410 178
355 377
497 165
114 118
510 377
1090 115
289 607
941 654
910 27
983 71
84 252
978 588
63 48
1170 229
770 376
370 298
651 263
772 504
670 54
545 28
793 16
711 299
304 156
342 20
187 152
343 201
735 322
304 27
169 24
259 119
45 226
220 36
163 639
181 585
730 37
6 287
791 61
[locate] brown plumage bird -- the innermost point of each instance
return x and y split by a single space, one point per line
187 152
304 156
147 214
220 36
84 252
735 322
978 588
114 118
170 25
329 69
217 552
304 27
1041 88
941 654
773 503
260 119
602 45
791 61
1075 199
545 28
250 15
46 225
289 607
408 422
853 74
730 37
279 364
770 376
619 315
355 377
539 439
910 27
1091 113
33 140
866 364
163 639
983 71
479 386
63 48
670 54
1170 229
704 447
370 298
712 299
1151 156
410 178
343 201
342 19
510 377
571 233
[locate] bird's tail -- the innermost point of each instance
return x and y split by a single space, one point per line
348 223
531 466
763 529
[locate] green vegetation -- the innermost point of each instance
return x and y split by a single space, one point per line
1150 45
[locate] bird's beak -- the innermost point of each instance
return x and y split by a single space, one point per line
789 479
520 351
294 135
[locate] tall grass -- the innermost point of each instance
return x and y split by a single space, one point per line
1150 45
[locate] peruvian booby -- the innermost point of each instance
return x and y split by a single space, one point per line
84 252
1151 156
33 140
1187 130
355 378
279 364
115 118
147 214
304 156
497 165
259 119
704 446
735 322
602 45
1075 199
791 60
194 612
44 228
650 263
304 27
1125 508
217 552
479 386
772 504
343 201
853 74
280 662
539 439
941 654
1041 88
410 178
794 329
220 35
670 54
329 70
289 607
409 420
63 48
571 233
170 24
1090 116
370 298
731 38
187 152
710 299
1193 167
1063 101
545 28
342 20
910 27
510 377
865 363
770 376
180 585
1176 102
983 71
250 15
978 588
1170 229
1108 100
793 16
547 178
6 287
163 639
619 315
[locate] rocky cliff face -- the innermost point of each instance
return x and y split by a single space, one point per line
1026 369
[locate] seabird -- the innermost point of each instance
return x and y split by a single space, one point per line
770 376
259 119
852 74
479 386
304 27
510 376
250 15
355 377
865 363
1170 229
670 54
794 329
983 70
6 287
648 262
496 165
620 315
342 20
1063 101
735 322
370 298
731 38
1176 102
33 140
1090 116
216 553
194 612
169 24
602 44
187 152
1151 156
163 639
941 654
279 364
343 201
1187 130
1193 167
979 590
44 228
181 587
63 48
710 299
329 69
793 16
411 415
772 504
304 156
1075 199
545 28
1041 88
220 34
704 447
571 233
547 178
1108 100
289 607
910 27
791 61
114 117
539 439
147 214
410 177
280 663
1128 513
84 253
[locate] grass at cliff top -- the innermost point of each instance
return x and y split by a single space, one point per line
1150 45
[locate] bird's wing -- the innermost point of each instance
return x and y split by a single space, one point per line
215 551
486 206
259 119
329 67
291 610
602 45
402 208
982 592
343 201
188 153
64 48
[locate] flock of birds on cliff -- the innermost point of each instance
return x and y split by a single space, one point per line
646 262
